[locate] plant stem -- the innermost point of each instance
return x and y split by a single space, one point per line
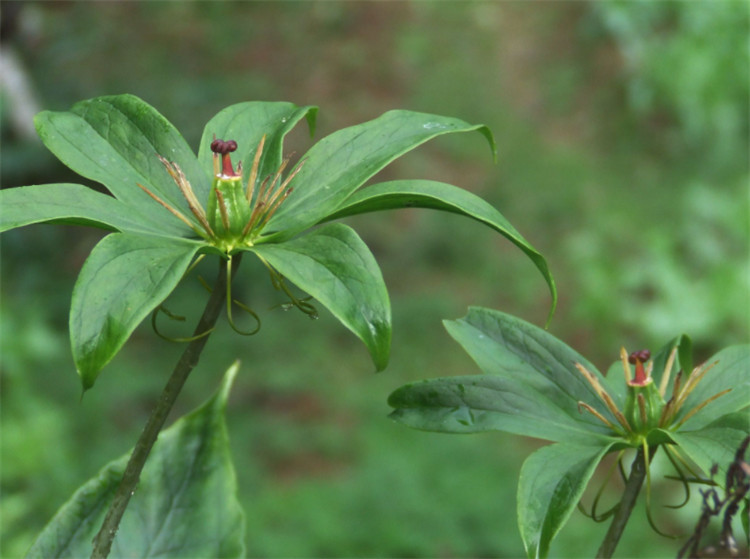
632 488
188 360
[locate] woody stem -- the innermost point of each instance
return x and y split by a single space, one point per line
189 359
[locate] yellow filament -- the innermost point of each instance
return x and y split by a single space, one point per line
254 169
667 372
173 211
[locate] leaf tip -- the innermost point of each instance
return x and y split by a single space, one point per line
227 382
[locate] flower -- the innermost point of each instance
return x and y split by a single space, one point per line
535 385
208 206
645 407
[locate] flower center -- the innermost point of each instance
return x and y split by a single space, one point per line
235 213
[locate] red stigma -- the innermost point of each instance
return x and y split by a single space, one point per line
225 148
639 358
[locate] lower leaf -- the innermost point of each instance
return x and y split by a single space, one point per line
445 197
551 483
335 266
716 443
124 278
185 505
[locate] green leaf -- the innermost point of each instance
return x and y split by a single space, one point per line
73 204
115 140
729 372
716 443
122 281
246 123
445 197
502 344
551 483
477 403
185 505
335 266
530 386
341 162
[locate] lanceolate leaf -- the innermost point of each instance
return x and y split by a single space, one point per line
440 196
335 266
715 443
122 281
476 403
551 483
340 163
729 372
185 504
69 203
247 123
530 386
115 141
502 344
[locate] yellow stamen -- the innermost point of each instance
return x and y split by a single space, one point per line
187 191
222 209
699 407
179 215
667 372
270 191
254 169
695 377
600 417
625 365
605 397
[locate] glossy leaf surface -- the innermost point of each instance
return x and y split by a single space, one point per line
335 266
551 483
340 163
185 504
74 204
114 140
476 403
124 278
118 141
247 123
445 197
530 386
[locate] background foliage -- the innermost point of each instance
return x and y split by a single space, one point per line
623 157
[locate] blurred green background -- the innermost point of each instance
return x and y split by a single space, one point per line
623 156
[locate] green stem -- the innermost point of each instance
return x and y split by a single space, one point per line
638 472
188 360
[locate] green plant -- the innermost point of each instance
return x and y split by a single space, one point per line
169 210
535 385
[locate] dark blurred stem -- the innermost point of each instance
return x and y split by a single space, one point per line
188 360
629 497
